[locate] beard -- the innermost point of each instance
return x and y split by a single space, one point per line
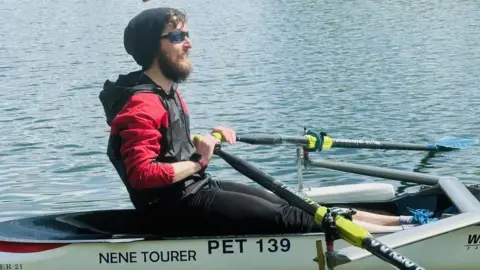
174 68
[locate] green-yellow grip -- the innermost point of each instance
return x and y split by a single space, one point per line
346 229
216 135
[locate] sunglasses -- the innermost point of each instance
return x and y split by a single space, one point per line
176 36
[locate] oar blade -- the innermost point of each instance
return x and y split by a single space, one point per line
452 143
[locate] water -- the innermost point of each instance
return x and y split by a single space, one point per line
404 71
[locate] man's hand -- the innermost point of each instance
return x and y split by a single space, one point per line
206 145
228 134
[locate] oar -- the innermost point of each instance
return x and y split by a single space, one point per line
346 229
445 144
315 142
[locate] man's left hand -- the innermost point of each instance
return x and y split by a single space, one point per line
228 134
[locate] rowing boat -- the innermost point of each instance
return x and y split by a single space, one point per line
113 239
108 239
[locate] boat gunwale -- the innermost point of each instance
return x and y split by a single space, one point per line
152 238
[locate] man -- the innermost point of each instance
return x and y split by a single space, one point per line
151 145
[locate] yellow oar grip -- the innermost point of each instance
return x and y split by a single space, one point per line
216 135
346 229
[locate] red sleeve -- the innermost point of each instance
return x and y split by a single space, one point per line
138 125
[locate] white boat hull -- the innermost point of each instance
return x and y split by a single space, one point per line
36 243
449 251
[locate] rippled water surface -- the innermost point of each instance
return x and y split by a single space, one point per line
397 71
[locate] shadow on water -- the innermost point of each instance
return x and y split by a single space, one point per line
424 164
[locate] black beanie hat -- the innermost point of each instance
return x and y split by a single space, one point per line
141 37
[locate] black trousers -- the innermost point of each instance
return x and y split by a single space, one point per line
228 208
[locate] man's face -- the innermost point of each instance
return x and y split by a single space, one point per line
174 50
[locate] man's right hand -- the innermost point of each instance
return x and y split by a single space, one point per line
206 145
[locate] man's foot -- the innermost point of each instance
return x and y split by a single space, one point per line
422 216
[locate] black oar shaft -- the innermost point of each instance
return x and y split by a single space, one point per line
340 143
345 143
309 141
374 246
389 255
273 140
